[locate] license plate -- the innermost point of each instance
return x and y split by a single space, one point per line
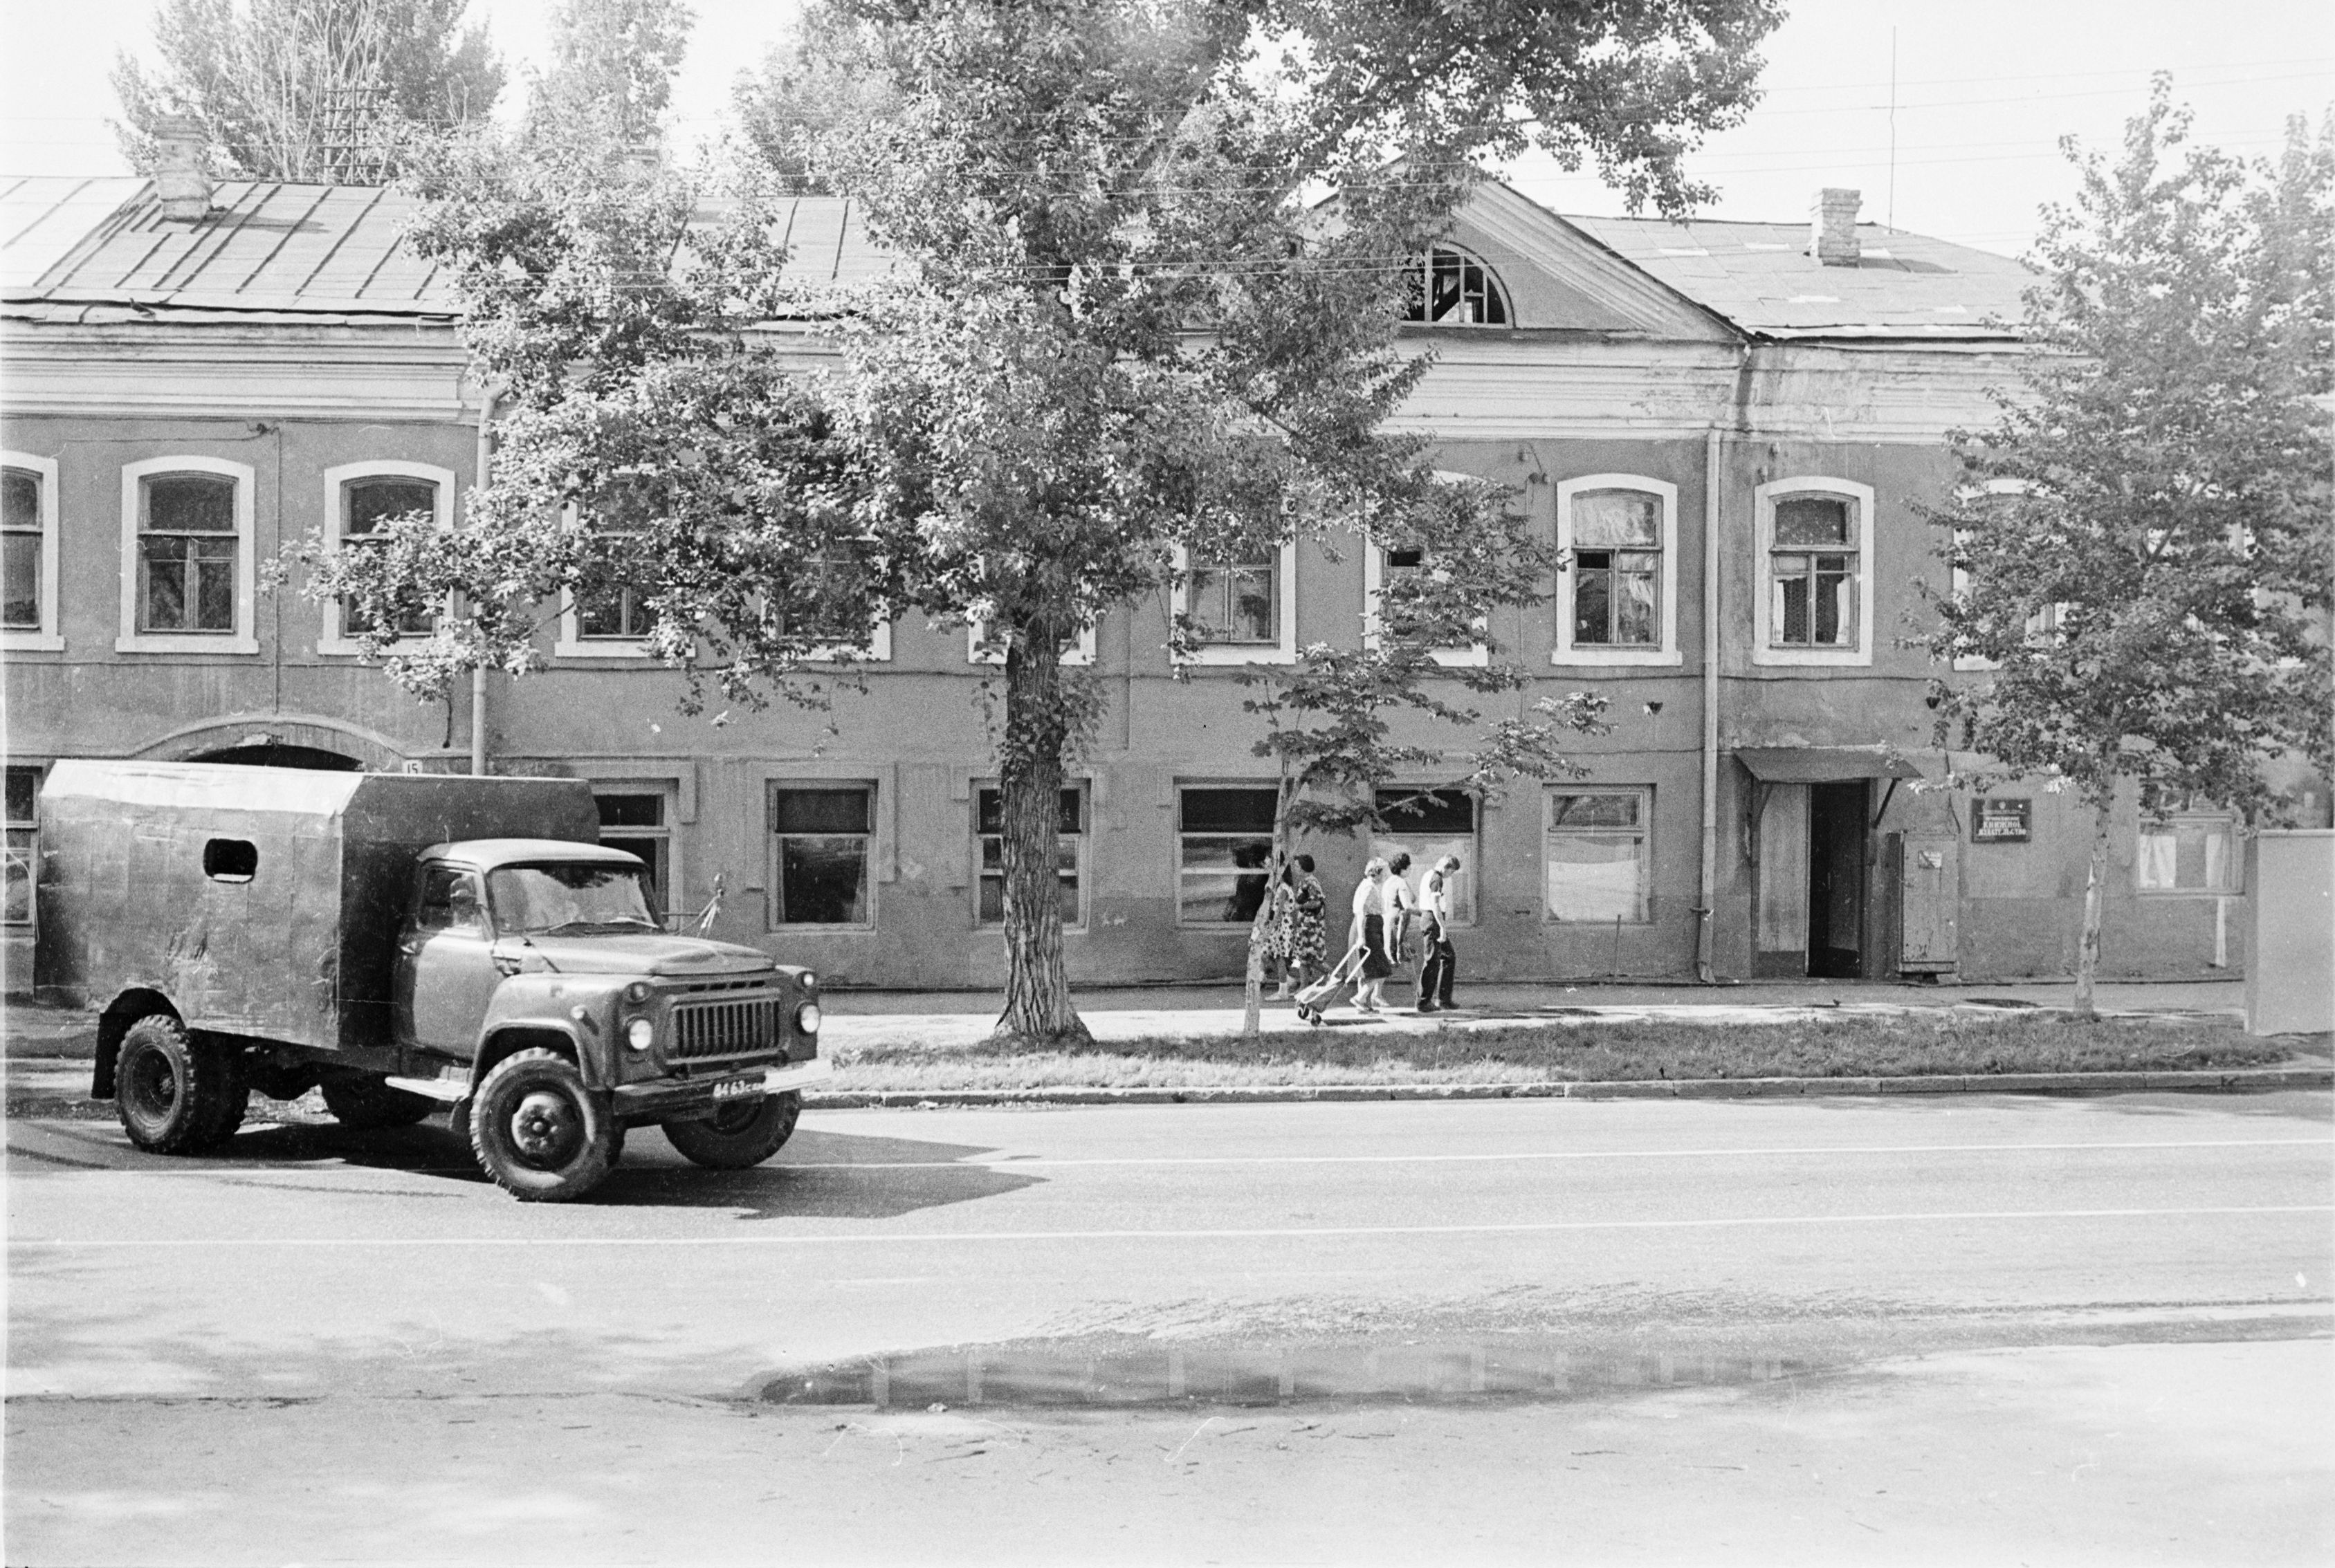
737 1087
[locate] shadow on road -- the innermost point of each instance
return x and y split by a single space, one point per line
818 1175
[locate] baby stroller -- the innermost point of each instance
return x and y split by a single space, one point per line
1311 999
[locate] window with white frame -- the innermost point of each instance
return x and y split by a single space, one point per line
28 553
637 818
23 848
989 850
1451 287
822 604
360 499
1815 547
2043 626
1595 860
1617 534
1224 852
1427 824
608 614
1247 609
187 547
822 847
2186 845
1384 565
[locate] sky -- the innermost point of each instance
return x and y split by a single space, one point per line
1984 90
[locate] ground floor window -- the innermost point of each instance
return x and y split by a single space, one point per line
24 846
1427 825
636 822
1593 855
989 830
821 836
1224 847
2183 847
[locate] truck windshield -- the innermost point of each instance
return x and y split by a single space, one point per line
547 898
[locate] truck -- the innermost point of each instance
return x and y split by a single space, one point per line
406 944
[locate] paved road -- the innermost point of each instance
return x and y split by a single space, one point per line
376 1284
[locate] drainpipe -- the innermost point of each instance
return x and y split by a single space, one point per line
478 674
1714 442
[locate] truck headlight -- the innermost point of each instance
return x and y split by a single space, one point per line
806 1018
640 1034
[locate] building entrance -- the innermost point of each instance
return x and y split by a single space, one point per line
1837 826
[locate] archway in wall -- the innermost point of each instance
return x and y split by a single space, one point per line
280 740
281 756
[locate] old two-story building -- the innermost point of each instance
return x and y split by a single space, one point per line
1727 427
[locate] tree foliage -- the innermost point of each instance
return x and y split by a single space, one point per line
1118 335
323 92
2141 542
610 81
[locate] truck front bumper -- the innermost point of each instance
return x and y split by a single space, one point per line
664 1098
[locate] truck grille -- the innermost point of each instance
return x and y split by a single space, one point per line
709 1029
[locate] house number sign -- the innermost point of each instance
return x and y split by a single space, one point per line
2000 821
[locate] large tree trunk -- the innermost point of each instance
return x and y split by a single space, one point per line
1029 781
2087 947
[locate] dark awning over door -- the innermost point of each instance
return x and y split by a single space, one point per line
1822 764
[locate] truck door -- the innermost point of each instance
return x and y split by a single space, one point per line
446 970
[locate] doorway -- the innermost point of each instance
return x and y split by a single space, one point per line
1837 826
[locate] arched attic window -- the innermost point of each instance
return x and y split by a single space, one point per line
1453 288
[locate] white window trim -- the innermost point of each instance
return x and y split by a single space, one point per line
1284 591
1080 653
1373 573
242 639
333 638
1765 499
1085 786
1666 650
48 638
1645 794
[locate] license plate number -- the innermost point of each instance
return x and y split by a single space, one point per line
737 1087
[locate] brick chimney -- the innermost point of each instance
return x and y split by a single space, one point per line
179 177
1832 226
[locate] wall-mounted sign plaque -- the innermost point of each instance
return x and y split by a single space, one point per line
2001 820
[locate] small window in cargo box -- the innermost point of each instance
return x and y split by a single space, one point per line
230 859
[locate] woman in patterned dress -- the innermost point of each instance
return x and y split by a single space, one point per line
1306 941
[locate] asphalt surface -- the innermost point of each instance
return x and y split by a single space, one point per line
1742 1265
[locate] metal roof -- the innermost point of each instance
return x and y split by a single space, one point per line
1760 276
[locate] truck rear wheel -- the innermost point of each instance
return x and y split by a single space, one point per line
737 1134
364 1102
538 1132
174 1095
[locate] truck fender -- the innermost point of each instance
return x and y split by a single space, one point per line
536 1034
124 1010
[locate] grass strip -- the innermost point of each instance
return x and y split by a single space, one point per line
1588 1052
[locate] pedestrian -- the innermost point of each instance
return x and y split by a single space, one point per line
1437 961
1282 908
1368 933
1401 904
1308 945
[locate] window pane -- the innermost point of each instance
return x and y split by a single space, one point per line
1255 608
799 810
164 561
1440 812
16 894
1228 811
1812 521
989 812
1408 559
373 502
1792 600
630 810
1835 591
20 499
652 852
1617 517
822 881
1425 849
24 793
1593 598
20 583
1634 620
1592 810
1593 875
190 503
214 585
2155 863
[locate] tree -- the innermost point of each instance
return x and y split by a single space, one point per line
320 92
2141 540
613 63
1119 331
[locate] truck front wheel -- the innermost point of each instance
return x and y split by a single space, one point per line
174 1095
737 1134
363 1101
538 1132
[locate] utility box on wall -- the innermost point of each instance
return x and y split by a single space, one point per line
1931 905
2291 956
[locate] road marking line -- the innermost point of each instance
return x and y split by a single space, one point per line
1263 1233
1018 1163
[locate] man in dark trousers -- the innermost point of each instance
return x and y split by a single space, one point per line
1437 961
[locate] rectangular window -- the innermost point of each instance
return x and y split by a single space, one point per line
822 836
1813 573
2187 854
1236 605
634 822
1617 564
188 549
619 613
1224 845
1427 825
23 523
24 846
1593 855
368 503
988 828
